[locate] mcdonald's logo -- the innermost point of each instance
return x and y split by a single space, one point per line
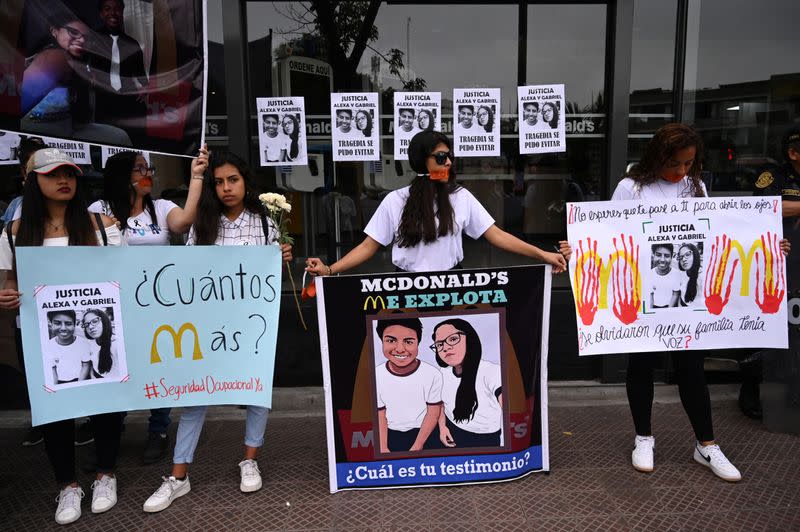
374 300
176 342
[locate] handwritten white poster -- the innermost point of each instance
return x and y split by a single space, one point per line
282 131
683 274
476 127
414 112
541 118
354 126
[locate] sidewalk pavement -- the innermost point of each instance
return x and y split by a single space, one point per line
591 485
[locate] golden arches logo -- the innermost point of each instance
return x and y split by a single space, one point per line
176 342
374 300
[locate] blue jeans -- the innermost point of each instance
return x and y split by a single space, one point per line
159 420
191 424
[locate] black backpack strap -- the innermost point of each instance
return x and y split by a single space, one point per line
101 228
10 238
265 227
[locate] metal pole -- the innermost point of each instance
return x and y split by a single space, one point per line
237 86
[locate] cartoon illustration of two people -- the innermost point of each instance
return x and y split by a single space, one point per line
420 406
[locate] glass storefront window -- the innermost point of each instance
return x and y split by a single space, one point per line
742 85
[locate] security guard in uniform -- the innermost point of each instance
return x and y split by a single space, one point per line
784 181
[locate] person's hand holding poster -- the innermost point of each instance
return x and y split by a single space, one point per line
683 274
282 131
542 110
111 73
476 129
414 112
355 126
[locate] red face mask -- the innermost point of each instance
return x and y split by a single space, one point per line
145 182
673 178
439 175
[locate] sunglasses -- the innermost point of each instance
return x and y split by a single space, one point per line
442 156
144 169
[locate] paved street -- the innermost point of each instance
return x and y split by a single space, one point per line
591 486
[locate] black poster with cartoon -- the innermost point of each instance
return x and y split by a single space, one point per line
435 378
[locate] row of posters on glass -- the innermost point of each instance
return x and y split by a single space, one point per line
355 123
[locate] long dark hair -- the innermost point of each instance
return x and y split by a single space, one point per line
466 396
367 130
418 221
104 362
554 122
490 124
691 287
668 140
77 221
210 207
118 190
294 148
431 122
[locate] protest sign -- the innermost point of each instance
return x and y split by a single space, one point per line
127 74
476 127
282 131
541 118
117 329
106 152
355 126
9 146
414 112
435 378
682 274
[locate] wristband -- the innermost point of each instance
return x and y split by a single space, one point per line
196 176
330 271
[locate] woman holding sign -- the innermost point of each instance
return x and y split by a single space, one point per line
425 221
670 168
54 214
127 189
230 215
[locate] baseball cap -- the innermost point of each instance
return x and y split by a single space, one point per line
46 160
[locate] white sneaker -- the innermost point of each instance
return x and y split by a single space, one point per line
170 489
642 455
69 505
104 494
251 476
712 457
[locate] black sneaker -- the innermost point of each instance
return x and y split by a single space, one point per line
33 437
156 447
84 434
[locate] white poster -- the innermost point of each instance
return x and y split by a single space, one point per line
355 126
108 151
81 335
414 112
476 127
542 110
282 131
682 274
9 144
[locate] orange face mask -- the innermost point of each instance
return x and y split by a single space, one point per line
673 178
145 182
439 175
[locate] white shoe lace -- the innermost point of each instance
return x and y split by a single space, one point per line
249 469
167 487
66 497
102 487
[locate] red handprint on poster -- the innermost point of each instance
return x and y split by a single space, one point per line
587 281
625 281
715 275
773 289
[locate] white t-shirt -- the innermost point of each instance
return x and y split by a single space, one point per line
628 189
67 359
245 230
406 397
274 145
7 258
488 416
141 230
469 217
662 286
94 356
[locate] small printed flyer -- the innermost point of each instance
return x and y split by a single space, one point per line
414 112
476 130
281 131
541 118
355 126
108 151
